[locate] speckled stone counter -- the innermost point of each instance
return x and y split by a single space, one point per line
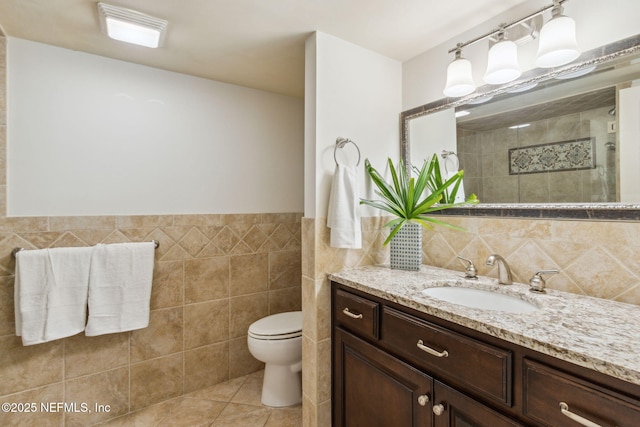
595 333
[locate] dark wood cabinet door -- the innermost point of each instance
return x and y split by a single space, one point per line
454 409
374 389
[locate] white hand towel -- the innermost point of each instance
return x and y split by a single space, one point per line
460 197
451 167
120 287
343 209
51 293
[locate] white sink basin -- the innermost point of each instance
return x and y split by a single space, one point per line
479 298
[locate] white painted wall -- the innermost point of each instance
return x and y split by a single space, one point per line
354 93
88 135
598 22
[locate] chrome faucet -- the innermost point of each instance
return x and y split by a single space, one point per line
504 272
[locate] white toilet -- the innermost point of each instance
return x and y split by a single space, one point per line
276 340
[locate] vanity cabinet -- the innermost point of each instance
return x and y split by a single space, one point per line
377 389
395 366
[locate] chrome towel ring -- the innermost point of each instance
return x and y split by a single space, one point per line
340 143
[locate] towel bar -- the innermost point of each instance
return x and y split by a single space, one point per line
14 251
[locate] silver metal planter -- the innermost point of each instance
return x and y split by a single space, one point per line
406 247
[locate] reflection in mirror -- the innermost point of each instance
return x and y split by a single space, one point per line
553 144
570 139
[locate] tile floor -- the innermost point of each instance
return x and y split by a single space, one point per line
235 403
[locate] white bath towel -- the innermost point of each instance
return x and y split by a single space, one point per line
120 287
451 167
343 218
51 293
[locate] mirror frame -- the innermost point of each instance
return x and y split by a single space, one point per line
584 211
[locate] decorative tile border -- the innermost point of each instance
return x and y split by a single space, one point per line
553 157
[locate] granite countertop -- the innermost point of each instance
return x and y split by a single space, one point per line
599 334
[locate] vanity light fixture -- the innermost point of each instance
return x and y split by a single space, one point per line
131 26
557 47
502 65
459 77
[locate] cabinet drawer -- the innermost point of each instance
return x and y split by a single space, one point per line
545 388
357 314
482 368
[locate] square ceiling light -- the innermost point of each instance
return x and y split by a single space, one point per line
131 26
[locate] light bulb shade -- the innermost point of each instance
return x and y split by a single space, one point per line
557 44
459 78
502 65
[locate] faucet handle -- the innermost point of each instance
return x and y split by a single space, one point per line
470 272
537 283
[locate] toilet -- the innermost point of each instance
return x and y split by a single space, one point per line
276 340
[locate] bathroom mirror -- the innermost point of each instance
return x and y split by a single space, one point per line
515 140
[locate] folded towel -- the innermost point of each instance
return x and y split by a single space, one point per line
51 293
343 209
120 287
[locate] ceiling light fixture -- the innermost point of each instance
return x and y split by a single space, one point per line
131 26
459 77
557 47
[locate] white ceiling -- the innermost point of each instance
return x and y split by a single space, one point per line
254 43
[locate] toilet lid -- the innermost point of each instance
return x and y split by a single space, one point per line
278 324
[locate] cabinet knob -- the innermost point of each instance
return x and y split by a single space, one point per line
423 399
438 409
352 315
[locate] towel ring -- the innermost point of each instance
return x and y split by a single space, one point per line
340 143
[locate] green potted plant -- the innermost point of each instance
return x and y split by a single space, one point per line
410 199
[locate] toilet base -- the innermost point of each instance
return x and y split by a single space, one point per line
281 387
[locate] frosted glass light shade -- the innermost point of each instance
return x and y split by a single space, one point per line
459 78
558 45
502 65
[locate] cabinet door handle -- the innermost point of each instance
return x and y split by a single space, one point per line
564 408
423 399
421 346
438 409
350 314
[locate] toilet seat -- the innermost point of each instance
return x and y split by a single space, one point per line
277 326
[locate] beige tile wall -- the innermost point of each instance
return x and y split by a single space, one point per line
213 276
319 259
600 259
